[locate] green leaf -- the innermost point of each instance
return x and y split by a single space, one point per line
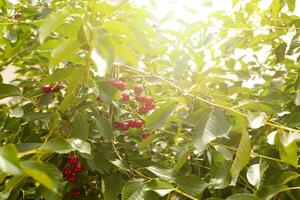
182 156
261 106
9 161
275 8
242 156
161 173
243 197
192 185
58 75
63 51
33 116
281 178
288 147
112 185
7 90
158 118
280 52
133 190
103 44
217 125
80 126
58 145
125 53
80 145
75 79
46 174
255 173
291 4
268 192
160 186
107 92
51 22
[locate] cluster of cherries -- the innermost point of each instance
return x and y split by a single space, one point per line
49 88
146 102
71 171
125 125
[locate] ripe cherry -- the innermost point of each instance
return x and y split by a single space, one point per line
140 98
145 135
125 97
148 100
138 124
118 124
149 106
138 90
17 15
47 89
78 168
142 110
76 192
125 126
73 160
131 123
120 85
72 178
67 172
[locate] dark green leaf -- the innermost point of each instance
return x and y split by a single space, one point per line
9 91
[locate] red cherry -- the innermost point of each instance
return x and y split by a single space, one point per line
73 160
149 107
131 123
125 97
67 172
138 90
78 168
17 15
125 126
142 110
76 192
140 98
145 135
56 88
148 100
72 178
138 124
118 124
120 85
46 88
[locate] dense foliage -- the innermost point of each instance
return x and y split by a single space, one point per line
109 105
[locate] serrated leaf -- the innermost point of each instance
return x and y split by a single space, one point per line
33 116
126 54
182 156
107 92
281 178
47 175
80 126
63 51
51 22
7 90
268 192
242 156
133 190
112 185
158 118
243 197
217 125
58 145
58 75
192 185
80 145
160 186
280 51
291 4
262 106
75 80
161 173
9 161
